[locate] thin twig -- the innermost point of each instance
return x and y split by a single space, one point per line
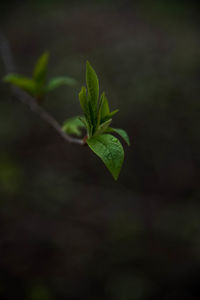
25 98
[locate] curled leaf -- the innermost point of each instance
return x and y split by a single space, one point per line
121 132
73 126
59 81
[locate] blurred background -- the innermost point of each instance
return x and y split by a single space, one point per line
67 229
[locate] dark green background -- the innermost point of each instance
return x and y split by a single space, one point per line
67 230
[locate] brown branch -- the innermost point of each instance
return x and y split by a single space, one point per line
25 98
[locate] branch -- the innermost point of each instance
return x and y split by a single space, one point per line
25 98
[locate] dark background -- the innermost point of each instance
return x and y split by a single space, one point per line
67 229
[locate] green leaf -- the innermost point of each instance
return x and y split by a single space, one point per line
73 126
22 82
102 98
110 150
39 74
109 116
113 113
84 101
99 109
92 84
85 107
59 81
84 122
93 118
105 110
93 91
121 132
103 127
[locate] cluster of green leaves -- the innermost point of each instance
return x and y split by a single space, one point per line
37 86
97 115
96 120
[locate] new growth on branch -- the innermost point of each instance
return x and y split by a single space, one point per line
96 118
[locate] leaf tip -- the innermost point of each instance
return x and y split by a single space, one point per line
46 54
5 78
8 77
115 176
